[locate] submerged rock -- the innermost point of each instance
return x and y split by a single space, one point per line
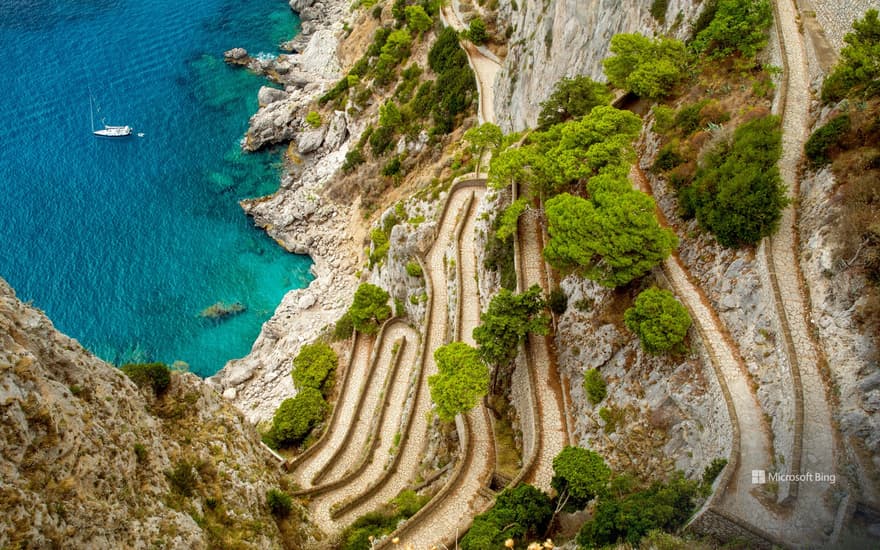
222 310
237 56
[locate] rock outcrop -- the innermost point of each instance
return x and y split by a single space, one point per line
88 459
662 413
553 39
298 216
841 315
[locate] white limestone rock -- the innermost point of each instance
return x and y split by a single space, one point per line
268 95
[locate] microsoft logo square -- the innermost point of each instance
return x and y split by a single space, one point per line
759 477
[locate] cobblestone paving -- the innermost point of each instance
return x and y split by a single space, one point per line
342 416
454 512
398 390
811 517
552 431
359 434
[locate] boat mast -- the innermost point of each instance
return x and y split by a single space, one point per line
91 112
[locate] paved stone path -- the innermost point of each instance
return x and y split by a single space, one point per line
483 62
755 451
390 411
808 519
551 416
811 514
359 434
342 416
462 498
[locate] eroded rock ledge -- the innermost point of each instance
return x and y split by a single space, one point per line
298 216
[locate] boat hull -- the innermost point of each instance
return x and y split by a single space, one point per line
114 131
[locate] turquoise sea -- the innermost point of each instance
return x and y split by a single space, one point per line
123 242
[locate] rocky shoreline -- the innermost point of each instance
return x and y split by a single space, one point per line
297 216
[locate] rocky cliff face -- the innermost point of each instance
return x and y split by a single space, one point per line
662 413
85 455
553 39
298 216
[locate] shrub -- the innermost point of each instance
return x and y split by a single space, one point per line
579 475
398 10
668 157
499 258
738 193
737 26
646 67
519 513
446 54
557 301
509 219
461 380
155 375
392 167
313 367
482 137
613 238
381 244
658 9
477 31
659 320
343 328
858 71
414 269
663 117
353 159
381 140
453 94
416 19
506 323
295 418
313 119
335 92
279 503
707 14
377 12
455 80
182 478
408 502
572 98
140 453
369 526
687 119
824 138
713 469
369 308
423 102
595 386
570 153
665 506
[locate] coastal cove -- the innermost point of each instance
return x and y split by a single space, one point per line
125 242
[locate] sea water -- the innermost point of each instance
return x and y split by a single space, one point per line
124 241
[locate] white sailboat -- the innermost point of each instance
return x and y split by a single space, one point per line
107 130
